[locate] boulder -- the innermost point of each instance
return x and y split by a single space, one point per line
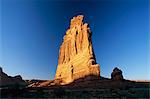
116 74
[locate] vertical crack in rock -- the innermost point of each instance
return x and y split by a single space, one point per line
76 56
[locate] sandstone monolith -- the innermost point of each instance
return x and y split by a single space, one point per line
76 56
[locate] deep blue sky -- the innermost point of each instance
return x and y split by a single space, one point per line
32 31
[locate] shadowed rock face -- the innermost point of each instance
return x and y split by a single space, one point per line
76 55
116 74
6 80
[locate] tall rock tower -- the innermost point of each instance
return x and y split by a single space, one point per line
76 55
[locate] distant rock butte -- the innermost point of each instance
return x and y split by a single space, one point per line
6 80
116 74
76 55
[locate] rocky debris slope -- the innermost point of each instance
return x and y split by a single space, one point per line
6 80
76 55
38 83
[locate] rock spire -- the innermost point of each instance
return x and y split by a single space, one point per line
76 55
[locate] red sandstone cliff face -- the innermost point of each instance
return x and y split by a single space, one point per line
76 55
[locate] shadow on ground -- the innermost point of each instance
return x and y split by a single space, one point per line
87 87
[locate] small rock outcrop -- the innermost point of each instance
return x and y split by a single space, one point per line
6 80
76 55
116 74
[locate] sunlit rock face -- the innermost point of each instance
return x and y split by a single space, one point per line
76 55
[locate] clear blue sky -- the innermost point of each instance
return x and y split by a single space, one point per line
31 32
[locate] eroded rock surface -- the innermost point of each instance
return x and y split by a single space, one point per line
76 55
